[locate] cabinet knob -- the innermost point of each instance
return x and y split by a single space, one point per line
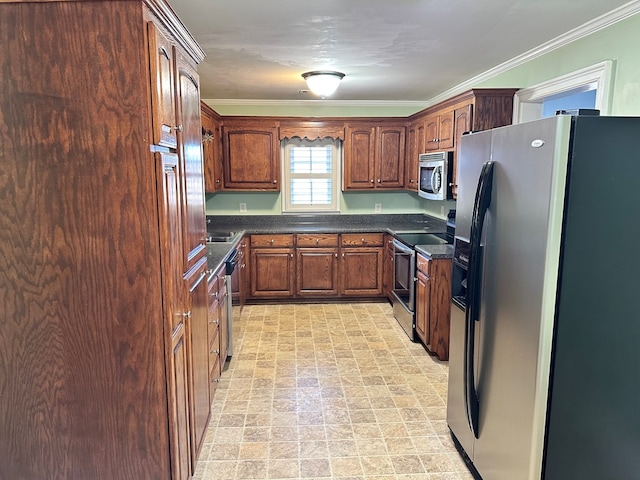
379 181
372 180
362 240
452 184
216 380
178 128
336 255
216 351
291 255
411 180
275 181
272 240
186 314
317 241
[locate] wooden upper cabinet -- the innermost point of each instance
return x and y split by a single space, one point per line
411 159
374 156
211 149
191 166
463 117
251 158
439 131
161 55
390 148
359 157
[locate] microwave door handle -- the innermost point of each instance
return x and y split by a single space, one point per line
434 176
472 315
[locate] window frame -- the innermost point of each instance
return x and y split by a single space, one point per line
336 175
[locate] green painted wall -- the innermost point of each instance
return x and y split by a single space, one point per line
350 203
617 42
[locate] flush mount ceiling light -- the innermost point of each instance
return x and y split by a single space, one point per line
323 82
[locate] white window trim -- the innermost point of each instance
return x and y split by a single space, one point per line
527 104
286 206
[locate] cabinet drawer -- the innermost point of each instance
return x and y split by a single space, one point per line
317 240
214 348
281 240
362 239
424 264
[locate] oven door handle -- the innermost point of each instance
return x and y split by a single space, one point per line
402 248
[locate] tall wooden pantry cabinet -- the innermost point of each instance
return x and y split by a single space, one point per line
102 254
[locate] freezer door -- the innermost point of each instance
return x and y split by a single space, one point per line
522 234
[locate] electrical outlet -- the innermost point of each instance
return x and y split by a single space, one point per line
377 208
243 208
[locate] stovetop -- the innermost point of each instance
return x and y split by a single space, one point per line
413 239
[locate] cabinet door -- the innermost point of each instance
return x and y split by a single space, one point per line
272 272
423 292
198 356
251 157
445 130
440 308
463 118
223 309
161 58
317 271
390 147
170 238
359 157
179 407
361 271
172 298
411 159
431 124
211 149
190 151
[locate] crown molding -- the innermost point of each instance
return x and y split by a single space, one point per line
599 23
316 103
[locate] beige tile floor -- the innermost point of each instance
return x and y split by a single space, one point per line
328 391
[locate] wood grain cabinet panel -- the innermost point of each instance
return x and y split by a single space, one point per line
110 382
316 265
198 331
374 156
272 272
361 271
433 304
251 156
212 149
161 56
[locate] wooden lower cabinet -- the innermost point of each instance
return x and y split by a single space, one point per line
361 270
272 266
317 271
198 323
316 265
433 304
179 415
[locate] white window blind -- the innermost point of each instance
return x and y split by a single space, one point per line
311 175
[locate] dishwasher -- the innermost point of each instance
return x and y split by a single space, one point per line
231 263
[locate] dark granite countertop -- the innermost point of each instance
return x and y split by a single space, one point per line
386 223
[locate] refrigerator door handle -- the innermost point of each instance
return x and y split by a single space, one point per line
472 313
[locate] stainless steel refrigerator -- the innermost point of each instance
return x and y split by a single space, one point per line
544 369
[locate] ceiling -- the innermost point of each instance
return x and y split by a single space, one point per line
390 50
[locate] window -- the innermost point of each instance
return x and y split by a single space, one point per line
311 175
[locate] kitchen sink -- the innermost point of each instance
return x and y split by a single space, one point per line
220 236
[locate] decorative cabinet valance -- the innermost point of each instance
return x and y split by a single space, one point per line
312 133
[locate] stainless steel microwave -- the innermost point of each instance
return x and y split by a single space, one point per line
434 175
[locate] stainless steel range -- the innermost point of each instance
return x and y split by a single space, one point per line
404 276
